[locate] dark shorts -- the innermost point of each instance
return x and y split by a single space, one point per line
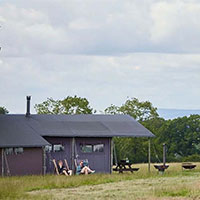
62 172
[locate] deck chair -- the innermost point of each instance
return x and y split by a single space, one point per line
55 167
66 165
77 161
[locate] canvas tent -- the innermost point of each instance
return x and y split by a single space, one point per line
63 137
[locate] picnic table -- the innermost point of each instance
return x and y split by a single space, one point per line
124 166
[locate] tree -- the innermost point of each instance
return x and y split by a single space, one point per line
3 110
138 110
69 105
156 125
182 136
50 106
76 105
133 148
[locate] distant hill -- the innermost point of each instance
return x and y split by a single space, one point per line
175 113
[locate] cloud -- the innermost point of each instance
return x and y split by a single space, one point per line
99 27
164 79
176 25
102 50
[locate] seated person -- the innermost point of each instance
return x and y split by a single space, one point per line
63 170
82 169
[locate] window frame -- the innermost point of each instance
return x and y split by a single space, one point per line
81 145
62 148
14 151
48 148
98 148
18 150
84 145
9 151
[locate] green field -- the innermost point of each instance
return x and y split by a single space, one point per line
174 184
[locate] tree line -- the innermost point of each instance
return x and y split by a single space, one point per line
181 135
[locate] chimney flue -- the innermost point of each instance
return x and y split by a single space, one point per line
28 105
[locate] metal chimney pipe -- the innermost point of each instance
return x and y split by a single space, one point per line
28 105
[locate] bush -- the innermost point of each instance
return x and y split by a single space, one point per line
191 158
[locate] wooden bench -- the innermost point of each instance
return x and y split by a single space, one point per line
124 166
188 165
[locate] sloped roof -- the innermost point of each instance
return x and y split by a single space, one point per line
27 130
15 132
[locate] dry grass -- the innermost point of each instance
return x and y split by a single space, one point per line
151 188
174 184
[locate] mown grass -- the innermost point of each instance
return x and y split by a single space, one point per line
20 187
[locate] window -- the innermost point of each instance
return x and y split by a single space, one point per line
86 148
9 151
89 148
48 148
19 150
98 148
58 147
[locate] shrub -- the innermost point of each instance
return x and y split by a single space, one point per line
191 158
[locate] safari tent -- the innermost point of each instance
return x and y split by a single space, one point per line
29 142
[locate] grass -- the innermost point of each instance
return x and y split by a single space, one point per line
175 183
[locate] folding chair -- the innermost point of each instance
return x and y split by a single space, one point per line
55 167
77 161
85 162
66 165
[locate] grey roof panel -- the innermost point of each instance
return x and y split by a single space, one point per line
18 129
15 133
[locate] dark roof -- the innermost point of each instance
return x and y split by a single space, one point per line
23 129
15 133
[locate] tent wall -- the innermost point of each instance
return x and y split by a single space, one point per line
27 163
99 161
58 155
1 169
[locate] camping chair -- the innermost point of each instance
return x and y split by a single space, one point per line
77 161
66 165
55 167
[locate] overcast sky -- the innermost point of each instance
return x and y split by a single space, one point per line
104 50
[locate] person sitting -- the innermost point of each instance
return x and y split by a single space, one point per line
83 169
63 170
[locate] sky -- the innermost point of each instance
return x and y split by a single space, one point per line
103 50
